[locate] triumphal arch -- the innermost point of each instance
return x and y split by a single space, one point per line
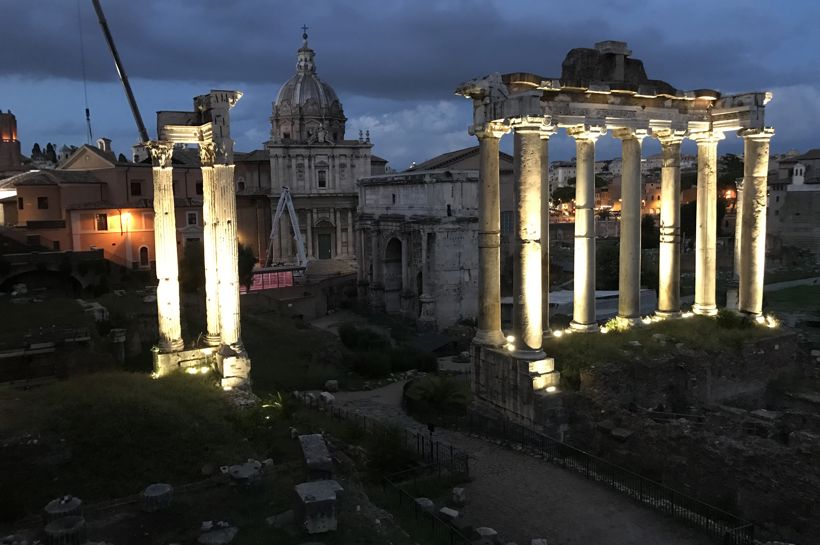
602 90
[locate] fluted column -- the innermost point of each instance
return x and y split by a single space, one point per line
488 331
706 224
227 257
527 294
583 316
738 226
669 251
165 248
629 259
753 233
546 194
210 219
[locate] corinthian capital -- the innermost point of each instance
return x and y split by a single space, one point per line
707 137
207 153
628 133
590 133
161 153
491 129
669 137
526 123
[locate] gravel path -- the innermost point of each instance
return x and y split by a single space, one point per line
524 498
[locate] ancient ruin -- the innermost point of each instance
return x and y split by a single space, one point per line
209 127
602 89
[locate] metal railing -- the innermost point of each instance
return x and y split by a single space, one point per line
429 451
728 528
427 525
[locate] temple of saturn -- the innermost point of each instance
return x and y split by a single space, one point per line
601 90
208 126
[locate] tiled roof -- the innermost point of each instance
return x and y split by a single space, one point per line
51 177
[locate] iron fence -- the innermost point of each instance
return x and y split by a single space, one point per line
427 525
430 452
728 528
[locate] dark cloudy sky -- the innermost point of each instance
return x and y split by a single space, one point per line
393 63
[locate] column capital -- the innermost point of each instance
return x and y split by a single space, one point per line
547 130
629 133
669 137
526 123
590 133
491 129
707 137
207 154
762 134
161 153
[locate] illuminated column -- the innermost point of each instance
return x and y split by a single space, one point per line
527 294
738 225
629 259
545 228
753 243
488 331
583 317
706 229
669 252
165 248
210 218
227 256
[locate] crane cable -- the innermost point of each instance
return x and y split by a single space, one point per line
89 135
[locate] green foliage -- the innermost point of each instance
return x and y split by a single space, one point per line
563 194
728 319
369 363
387 452
650 234
606 266
373 356
361 338
436 396
247 261
688 179
730 168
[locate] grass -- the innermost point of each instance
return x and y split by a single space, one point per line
576 352
59 312
111 434
798 298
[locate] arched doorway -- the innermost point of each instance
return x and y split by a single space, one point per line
392 276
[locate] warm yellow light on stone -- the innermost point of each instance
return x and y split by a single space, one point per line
510 339
558 333
551 389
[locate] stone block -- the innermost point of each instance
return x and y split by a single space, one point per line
327 398
538 541
63 506
484 535
218 536
426 504
157 496
448 514
66 531
332 385
317 456
247 473
282 519
621 434
459 496
316 505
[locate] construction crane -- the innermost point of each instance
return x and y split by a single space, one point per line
285 201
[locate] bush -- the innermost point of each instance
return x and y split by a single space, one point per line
405 358
370 364
387 452
728 319
437 396
361 338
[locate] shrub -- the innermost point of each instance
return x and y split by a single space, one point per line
405 358
728 319
361 338
370 364
387 452
437 396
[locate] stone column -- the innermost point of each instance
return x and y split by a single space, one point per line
165 248
706 224
351 246
338 220
546 195
210 219
427 310
309 241
227 256
753 233
629 259
527 292
738 251
669 252
377 287
583 318
488 331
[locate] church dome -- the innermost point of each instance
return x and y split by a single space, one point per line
306 108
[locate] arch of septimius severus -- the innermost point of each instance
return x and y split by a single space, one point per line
602 90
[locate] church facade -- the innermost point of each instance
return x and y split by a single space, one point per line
309 153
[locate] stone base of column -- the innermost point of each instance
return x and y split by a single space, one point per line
427 313
173 346
236 367
166 363
752 315
583 328
213 340
668 314
489 338
704 311
630 321
521 389
732 302
528 355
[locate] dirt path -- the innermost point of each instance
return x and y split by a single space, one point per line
525 498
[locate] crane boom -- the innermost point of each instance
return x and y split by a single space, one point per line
121 72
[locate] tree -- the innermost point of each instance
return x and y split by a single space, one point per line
247 261
51 153
650 236
36 152
606 266
730 168
563 194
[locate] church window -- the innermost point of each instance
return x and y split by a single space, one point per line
286 135
42 203
191 218
136 189
449 211
101 221
322 178
241 186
